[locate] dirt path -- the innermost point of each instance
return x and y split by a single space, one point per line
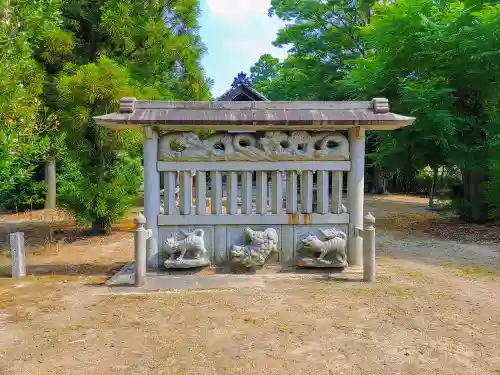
434 310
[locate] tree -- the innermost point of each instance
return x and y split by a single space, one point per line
58 55
118 48
37 25
107 178
437 60
323 39
21 82
264 70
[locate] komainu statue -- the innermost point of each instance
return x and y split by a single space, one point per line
187 253
262 243
330 252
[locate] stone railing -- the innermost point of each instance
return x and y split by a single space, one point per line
269 180
237 198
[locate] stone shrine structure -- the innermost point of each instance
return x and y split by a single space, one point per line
283 164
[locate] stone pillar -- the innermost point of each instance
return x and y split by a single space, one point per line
369 248
50 180
355 195
151 193
18 254
140 248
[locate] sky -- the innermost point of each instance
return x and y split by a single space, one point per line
236 33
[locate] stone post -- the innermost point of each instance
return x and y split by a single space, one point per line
151 192
50 179
18 254
140 240
355 195
369 249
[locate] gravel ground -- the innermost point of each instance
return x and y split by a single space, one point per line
433 310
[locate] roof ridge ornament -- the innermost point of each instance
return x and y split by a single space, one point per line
380 105
127 105
241 80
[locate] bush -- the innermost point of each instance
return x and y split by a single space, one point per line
102 179
448 177
100 204
19 158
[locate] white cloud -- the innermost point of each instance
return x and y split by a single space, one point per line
237 9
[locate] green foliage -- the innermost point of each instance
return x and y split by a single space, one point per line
18 156
107 180
21 82
66 61
158 43
447 179
122 48
100 202
264 70
323 39
438 62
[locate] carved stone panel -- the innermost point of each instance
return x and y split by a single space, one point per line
186 247
321 246
251 246
271 146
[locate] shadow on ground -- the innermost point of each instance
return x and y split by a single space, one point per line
87 269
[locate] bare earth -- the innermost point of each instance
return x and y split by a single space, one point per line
433 310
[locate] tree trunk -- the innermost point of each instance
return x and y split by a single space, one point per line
432 194
101 226
50 181
379 185
475 205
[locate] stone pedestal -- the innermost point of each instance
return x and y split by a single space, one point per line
186 263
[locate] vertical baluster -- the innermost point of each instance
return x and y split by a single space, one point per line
337 183
261 201
201 193
277 192
232 196
169 204
322 192
224 184
283 184
306 192
216 186
291 192
269 192
185 192
246 193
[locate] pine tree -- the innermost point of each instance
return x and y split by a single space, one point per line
119 48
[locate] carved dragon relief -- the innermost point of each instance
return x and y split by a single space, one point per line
299 145
330 252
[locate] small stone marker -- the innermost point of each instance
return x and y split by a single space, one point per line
141 236
369 248
18 254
